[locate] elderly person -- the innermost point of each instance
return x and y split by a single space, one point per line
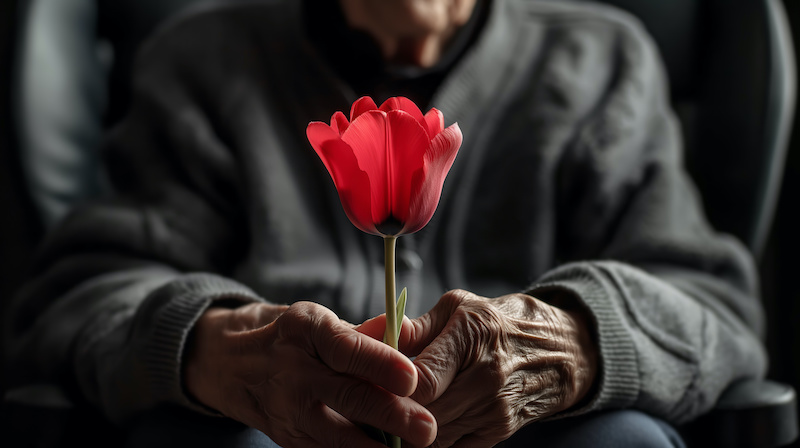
596 305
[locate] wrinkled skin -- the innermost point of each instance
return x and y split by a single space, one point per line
487 367
301 376
484 368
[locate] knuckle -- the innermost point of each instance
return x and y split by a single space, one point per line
245 343
344 351
294 320
428 384
458 294
306 319
309 312
455 297
485 323
359 403
299 310
352 397
493 374
417 327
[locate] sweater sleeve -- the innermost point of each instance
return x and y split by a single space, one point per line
677 312
120 283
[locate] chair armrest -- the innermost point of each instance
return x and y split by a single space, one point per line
750 413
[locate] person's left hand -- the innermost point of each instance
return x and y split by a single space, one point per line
487 367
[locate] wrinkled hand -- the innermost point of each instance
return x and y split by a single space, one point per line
302 376
487 367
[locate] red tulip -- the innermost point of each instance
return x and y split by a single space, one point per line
388 163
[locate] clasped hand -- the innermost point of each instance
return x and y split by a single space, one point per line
483 368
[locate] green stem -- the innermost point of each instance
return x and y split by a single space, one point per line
389 243
390 335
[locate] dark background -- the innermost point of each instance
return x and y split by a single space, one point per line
16 234
779 268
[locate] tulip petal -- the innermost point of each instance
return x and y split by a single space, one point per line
339 122
438 160
406 105
408 143
367 135
355 200
388 164
318 133
351 182
434 121
418 215
443 149
361 105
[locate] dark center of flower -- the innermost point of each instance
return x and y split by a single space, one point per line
391 226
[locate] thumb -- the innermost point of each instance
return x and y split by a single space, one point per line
373 327
437 342
419 333
376 327
418 338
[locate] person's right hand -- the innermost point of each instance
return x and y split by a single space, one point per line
302 376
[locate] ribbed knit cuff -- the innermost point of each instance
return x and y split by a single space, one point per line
618 383
185 301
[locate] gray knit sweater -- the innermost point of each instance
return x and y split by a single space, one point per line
569 179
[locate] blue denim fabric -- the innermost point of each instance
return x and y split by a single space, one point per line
625 429
617 429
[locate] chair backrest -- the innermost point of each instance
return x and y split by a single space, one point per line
732 76
70 82
730 63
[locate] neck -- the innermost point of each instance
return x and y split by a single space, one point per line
423 52
414 32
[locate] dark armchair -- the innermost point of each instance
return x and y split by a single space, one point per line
732 82
732 78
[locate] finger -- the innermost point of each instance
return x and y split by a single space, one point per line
445 347
484 418
473 430
255 315
329 429
283 432
427 327
438 365
348 324
376 327
459 398
347 351
362 402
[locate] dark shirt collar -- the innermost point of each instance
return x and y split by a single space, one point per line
357 59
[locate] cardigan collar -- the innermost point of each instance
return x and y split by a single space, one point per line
357 59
